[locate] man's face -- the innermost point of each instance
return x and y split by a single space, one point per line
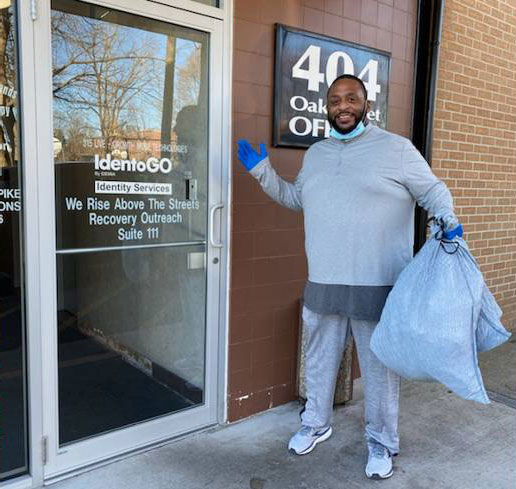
346 105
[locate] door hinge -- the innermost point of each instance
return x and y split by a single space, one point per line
44 450
33 10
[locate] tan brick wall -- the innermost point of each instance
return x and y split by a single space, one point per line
474 146
268 262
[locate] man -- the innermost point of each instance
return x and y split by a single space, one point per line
357 190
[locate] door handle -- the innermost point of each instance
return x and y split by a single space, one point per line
212 226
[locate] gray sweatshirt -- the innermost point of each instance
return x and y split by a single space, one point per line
358 199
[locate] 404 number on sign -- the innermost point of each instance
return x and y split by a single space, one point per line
308 67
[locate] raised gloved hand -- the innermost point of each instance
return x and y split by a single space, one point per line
248 156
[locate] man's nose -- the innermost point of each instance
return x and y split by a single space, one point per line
343 106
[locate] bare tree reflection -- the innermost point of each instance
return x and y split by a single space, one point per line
119 86
101 69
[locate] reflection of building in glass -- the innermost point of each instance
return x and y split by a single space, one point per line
137 144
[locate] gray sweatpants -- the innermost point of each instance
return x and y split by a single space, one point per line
326 337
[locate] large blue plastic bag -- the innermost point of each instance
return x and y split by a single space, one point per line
436 314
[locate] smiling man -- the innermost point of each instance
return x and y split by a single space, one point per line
358 190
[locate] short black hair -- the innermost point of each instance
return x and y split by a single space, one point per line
349 77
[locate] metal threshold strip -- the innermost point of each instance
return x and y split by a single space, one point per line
69 473
75 251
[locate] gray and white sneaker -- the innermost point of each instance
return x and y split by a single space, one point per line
305 440
379 462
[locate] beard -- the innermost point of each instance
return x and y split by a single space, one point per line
360 118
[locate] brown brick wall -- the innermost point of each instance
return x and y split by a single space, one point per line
268 262
474 147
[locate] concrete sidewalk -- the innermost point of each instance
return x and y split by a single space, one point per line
445 443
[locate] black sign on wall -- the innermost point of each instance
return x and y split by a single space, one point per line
306 64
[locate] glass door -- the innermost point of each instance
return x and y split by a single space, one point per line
133 121
14 460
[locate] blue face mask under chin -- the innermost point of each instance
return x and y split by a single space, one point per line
350 135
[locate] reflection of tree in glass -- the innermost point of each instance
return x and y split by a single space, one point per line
182 80
188 79
8 141
103 70
73 131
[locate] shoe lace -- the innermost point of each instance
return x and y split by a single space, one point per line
379 451
307 430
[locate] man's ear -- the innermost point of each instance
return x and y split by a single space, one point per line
365 120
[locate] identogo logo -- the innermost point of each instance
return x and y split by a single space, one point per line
151 165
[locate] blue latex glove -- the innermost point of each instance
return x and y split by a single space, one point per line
450 225
457 231
248 156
